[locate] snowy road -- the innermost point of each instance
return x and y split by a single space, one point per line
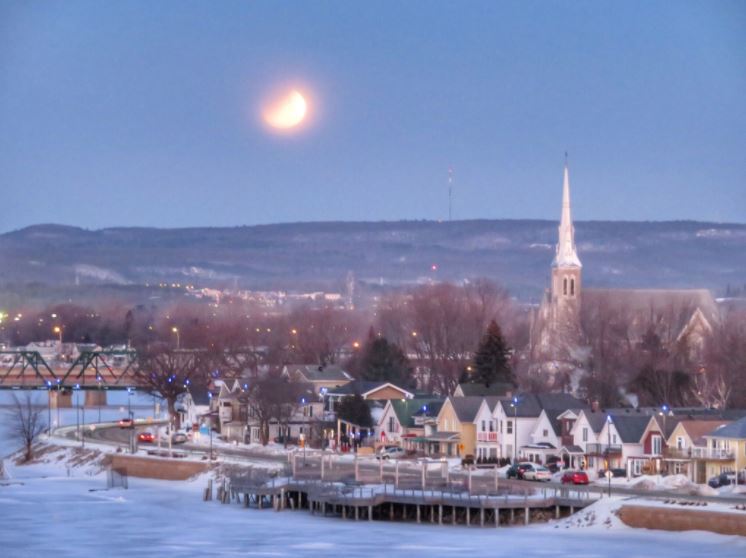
62 517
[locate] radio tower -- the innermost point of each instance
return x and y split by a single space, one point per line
450 191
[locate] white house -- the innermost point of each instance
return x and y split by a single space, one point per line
486 430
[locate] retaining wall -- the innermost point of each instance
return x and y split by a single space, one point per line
156 468
673 519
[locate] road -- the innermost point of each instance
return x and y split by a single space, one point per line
112 434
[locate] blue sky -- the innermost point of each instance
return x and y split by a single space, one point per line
144 113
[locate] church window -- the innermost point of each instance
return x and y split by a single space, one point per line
564 286
572 287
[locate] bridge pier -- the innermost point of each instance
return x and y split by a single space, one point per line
60 399
95 398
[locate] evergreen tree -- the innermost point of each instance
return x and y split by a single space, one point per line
382 361
354 409
491 360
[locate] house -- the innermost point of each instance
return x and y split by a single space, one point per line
404 420
517 422
726 449
191 406
585 433
322 378
686 447
486 430
621 441
456 430
377 391
232 412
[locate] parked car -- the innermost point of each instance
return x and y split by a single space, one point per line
391 452
723 479
146 437
179 438
126 423
468 459
536 472
516 471
574 477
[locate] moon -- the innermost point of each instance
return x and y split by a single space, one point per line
287 112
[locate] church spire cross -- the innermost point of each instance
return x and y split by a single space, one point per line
566 255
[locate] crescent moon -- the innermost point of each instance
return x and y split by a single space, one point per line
287 112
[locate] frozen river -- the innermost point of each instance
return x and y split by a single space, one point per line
59 516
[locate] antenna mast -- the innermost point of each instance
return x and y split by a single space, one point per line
450 191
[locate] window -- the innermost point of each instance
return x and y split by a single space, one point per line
310 410
484 426
501 426
585 434
657 445
572 287
614 439
680 443
545 433
391 424
564 286
509 427
492 426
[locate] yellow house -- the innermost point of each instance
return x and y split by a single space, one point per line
687 449
726 449
457 433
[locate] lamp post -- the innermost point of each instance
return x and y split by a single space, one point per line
608 451
178 339
132 420
58 331
514 404
49 406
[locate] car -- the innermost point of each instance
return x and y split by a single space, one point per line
574 477
392 452
179 438
723 479
516 470
537 473
126 423
468 460
146 437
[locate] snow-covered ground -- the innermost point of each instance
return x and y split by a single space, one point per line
53 509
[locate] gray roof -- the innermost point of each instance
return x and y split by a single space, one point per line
496 389
630 427
531 404
317 373
733 430
361 387
466 408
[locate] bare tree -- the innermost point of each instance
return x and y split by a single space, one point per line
26 423
274 398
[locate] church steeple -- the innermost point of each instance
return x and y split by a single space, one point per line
566 255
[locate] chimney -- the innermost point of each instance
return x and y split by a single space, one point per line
594 405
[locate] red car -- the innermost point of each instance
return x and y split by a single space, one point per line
146 437
574 477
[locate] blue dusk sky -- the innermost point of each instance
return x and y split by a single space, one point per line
138 113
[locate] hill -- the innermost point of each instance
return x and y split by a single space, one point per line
516 253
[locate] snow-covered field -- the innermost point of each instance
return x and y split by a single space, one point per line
52 509
45 512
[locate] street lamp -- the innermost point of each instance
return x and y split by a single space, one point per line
178 339
49 406
514 404
608 451
132 420
58 331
